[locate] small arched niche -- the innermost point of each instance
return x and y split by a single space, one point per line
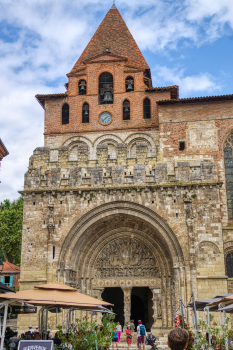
126 110
146 108
106 88
82 87
129 84
65 114
85 113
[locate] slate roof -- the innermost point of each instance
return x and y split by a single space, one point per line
113 34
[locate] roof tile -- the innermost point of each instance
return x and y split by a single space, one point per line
113 34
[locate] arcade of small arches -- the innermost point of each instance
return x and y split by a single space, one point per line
111 141
126 254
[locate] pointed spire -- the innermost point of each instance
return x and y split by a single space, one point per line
113 5
113 34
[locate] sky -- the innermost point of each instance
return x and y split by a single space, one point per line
185 42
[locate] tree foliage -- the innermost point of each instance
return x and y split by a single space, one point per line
11 218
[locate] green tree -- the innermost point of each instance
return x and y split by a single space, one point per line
11 218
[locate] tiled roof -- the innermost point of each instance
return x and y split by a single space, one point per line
3 151
197 99
174 90
113 34
41 98
9 267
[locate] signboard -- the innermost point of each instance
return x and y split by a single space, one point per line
35 345
24 309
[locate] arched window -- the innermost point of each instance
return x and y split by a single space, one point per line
85 113
229 174
106 88
82 87
146 109
126 110
65 114
129 84
229 265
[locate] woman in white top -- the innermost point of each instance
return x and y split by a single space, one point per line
119 328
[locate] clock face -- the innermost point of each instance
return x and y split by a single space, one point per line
105 118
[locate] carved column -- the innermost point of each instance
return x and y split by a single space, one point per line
169 303
163 302
127 304
156 306
50 227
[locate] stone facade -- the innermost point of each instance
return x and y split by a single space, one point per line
122 205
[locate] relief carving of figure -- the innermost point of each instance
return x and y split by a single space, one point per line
126 257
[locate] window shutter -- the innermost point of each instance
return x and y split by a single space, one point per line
11 281
2 279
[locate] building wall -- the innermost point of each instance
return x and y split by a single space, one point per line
92 187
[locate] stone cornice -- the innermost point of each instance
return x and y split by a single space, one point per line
139 188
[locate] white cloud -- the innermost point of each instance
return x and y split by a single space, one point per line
189 85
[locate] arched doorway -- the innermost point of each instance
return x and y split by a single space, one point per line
125 245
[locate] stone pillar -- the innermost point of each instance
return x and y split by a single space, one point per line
156 306
127 304
169 303
163 302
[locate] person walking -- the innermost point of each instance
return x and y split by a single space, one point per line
115 338
141 331
119 329
129 337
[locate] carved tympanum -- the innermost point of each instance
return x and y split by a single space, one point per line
126 257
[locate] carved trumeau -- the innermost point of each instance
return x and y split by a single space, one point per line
126 258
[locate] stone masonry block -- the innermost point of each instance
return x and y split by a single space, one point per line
102 154
141 152
139 174
122 154
161 173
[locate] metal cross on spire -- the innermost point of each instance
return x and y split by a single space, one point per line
113 5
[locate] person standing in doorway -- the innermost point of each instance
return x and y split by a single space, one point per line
115 338
129 336
141 331
119 329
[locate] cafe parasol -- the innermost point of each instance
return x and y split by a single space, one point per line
51 295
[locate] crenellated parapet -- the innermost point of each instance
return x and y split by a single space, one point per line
84 172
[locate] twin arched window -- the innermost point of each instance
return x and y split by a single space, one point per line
82 87
106 88
126 110
65 114
85 113
146 109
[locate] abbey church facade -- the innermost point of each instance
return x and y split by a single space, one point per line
131 197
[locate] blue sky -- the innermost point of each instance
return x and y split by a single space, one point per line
186 42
